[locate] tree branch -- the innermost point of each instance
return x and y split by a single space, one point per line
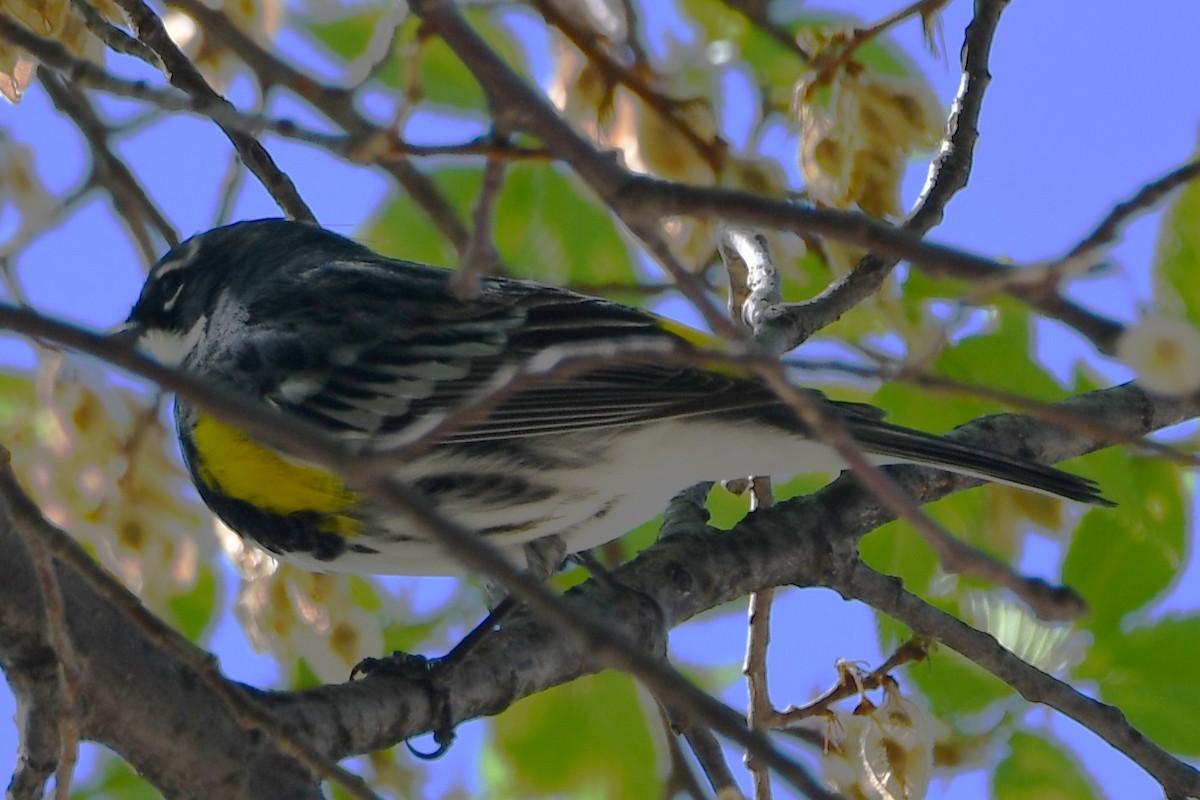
1178 779
182 74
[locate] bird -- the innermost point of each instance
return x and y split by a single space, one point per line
371 349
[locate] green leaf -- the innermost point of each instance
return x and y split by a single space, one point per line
953 684
402 229
409 636
303 676
194 609
545 227
16 397
588 738
441 76
895 549
1177 254
1150 674
1036 769
728 509
956 686
1121 558
364 593
1000 359
776 66
114 779
641 537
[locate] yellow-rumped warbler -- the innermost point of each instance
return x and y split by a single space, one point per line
366 346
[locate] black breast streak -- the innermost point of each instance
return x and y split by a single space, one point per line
279 534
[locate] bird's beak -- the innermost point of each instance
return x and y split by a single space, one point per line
128 332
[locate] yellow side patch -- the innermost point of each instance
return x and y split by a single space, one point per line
700 339
240 467
704 341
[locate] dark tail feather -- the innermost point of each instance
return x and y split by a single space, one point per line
905 444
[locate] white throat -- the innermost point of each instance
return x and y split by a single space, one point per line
170 348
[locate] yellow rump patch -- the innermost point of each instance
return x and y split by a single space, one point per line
238 466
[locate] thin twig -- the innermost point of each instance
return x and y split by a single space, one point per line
1144 199
849 684
713 151
708 753
680 780
758 13
632 39
835 519
48 221
948 173
754 300
337 103
828 63
128 195
754 667
182 74
372 145
113 37
754 292
1178 779
480 256
231 184
894 371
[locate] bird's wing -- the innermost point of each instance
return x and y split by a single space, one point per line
387 362
383 352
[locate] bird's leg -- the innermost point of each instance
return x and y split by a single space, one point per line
543 556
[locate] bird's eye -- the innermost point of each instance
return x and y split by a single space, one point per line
168 278
168 288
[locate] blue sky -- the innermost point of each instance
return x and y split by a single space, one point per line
1089 101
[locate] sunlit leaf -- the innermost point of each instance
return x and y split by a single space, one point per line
587 738
1036 769
16 397
954 685
775 65
442 77
547 227
1177 253
402 228
114 779
1150 674
193 610
1123 557
895 549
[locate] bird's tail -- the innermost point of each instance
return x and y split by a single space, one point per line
908 445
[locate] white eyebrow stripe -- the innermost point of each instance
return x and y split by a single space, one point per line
185 255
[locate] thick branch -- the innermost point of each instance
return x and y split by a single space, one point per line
134 695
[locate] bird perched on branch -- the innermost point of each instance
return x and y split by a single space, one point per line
373 349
